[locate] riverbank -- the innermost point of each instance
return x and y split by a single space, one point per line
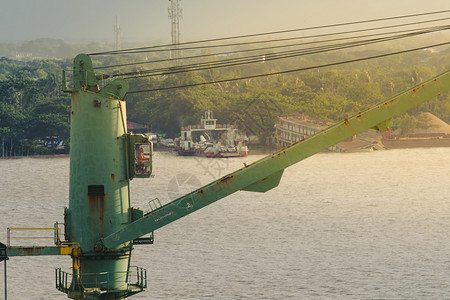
37 156
416 143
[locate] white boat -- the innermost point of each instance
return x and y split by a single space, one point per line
210 139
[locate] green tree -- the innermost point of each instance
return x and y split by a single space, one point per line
49 119
407 124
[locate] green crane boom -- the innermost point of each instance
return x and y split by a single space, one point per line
266 173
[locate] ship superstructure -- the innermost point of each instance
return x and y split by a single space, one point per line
211 139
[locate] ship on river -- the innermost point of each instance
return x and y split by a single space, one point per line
211 139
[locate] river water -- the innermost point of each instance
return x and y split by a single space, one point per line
371 225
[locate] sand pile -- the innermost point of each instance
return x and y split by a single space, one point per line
436 125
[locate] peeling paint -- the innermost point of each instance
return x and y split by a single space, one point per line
226 179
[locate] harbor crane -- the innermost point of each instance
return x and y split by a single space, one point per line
101 227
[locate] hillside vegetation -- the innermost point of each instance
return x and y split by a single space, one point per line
33 109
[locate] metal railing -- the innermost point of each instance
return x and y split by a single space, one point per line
104 281
198 126
154 204
33 236
62 280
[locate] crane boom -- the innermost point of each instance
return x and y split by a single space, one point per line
266 173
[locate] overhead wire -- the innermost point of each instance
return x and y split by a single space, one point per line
234 51
291 70
132 50
269 56
278 40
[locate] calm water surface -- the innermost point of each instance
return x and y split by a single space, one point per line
340 226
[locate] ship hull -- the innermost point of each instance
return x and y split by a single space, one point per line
212 154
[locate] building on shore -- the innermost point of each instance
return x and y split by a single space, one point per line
293 128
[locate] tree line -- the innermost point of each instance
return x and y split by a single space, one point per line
35 114
33 110
329 93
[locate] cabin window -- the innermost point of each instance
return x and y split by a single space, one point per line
142 159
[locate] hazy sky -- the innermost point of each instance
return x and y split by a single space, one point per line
147 20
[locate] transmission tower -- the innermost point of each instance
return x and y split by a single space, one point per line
175 16
117 34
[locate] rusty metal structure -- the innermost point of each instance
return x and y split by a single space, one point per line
101 226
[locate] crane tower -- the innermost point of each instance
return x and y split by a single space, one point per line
175 14
116 34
